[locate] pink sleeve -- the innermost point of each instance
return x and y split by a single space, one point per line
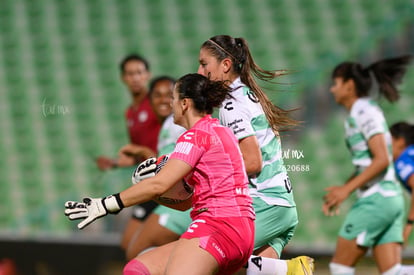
188 147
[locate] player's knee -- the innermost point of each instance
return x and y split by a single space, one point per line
135 267
339 269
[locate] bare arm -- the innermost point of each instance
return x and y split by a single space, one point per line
148 189
137 151
337 194
252 156
380 162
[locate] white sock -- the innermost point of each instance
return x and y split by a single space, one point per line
395 270
258 265
407 269
339 269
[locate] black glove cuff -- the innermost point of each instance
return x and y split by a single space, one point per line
119 201
113 204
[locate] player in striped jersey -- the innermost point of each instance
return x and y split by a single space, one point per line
403 154
375 219
256 122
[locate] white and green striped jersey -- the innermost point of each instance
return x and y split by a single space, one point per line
364 121
244 115
168 136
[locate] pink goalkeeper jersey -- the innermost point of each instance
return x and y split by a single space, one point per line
218 176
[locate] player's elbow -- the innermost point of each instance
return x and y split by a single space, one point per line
253 168
382 162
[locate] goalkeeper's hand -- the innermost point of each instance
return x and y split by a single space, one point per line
144 170
91 209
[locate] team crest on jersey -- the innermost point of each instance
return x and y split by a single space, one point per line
142 116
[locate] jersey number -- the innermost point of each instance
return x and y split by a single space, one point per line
288 185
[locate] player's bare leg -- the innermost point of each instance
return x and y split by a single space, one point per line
132 227
152 234
174 258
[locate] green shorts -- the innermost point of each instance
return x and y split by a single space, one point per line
175 220
374 220
275 225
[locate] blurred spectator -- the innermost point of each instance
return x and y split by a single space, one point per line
143 125
143 129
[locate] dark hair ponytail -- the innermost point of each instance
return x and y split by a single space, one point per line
387 72
404 130
237 49
205 93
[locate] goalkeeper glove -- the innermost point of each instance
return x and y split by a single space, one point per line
91 209
144 170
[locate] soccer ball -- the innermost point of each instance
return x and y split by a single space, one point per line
179 192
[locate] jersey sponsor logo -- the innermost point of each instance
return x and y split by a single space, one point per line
369 126
228 106
239 131
234 125
183 148
188 135
142 116
242 191
219 250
